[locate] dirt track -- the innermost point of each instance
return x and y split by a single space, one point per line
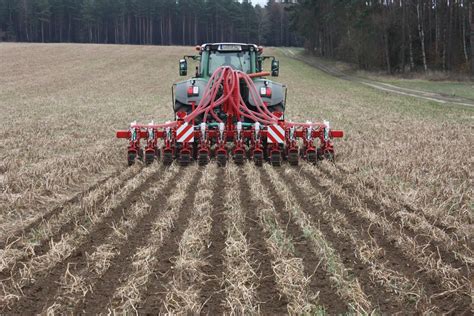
382 86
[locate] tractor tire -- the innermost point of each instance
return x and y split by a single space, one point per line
277 108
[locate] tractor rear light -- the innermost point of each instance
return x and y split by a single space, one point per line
193 91
266 92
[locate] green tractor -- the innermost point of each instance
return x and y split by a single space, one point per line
247 58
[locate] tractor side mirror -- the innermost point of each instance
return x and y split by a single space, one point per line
183 67
275 68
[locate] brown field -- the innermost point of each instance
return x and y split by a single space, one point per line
386 229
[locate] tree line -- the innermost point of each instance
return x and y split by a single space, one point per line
396 35
152 22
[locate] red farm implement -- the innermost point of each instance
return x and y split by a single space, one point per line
234 113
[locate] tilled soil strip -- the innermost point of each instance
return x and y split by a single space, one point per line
367 251
393 254
313 265
212 293
383 301
239 278
434 266
64 223
182 294
82 276
129 294
288 269
36 295
272 302
347 286
99 297
47 214
435 239
438 222
153 298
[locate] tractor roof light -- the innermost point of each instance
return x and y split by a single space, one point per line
229 48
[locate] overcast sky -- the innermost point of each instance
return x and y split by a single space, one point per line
260 2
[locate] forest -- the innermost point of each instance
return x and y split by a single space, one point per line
396 35
149 22
392 35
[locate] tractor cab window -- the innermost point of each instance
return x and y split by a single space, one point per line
236 60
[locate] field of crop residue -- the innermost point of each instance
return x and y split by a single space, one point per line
386 229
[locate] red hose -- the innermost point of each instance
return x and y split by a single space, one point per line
229 79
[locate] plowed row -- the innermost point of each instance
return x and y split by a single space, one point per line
234 240
386 229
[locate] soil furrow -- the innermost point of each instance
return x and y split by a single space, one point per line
74 221
76 198
433 221
37 295
440 248
271 299
240 277
212 293
396 258
152 301
320 280
384 303
76 282
100 295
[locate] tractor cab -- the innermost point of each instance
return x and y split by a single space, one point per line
247 58
244 57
